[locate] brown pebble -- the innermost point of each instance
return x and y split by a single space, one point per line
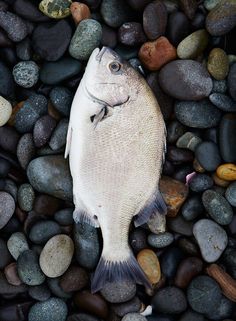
91 303
74 279
155 54
11 274
227 172
149 263
79 11
218 63
187 270
220 182
188 247
174 193
198 168
189 7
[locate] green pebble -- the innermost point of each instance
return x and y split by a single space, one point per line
57 9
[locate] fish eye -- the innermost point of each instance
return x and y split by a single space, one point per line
114 66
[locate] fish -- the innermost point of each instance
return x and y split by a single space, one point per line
116 145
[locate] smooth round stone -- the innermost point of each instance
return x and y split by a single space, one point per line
61 98
53 73
200 183
208 156
6 81
187 270
42 231
118 292
223 102
212 239
26 197
64 216
11 188
25 150
230 194
109 37
134 305
218 64
26 73
179 225
86 241
5 111
83 317
221 19
51 175
28 268
74 279
133 317
57 9
58 138
50 40
226 172
131 34
43 129
34 107
170 300
232 81
189 141
29 11
40 292
53 309
210 4
11 274
178 27
115 12
193 45
79 11
219 86
56 255
24 50
5 255
55 288
149 263
7 208
17 244
201 114
14 26
160 240
189 8
179 155
204 294
192 208
155 20
185 80
227 138
217 207
86 38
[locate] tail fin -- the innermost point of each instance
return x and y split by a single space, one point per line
112 271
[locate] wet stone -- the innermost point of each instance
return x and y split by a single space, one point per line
26 197
56 9
5 255
118 292
5 111
17 244
189 7
43 129
42 231
131 34
7 208
207 154
26 73
161 240
115 12
227 138
25 150
230 194
218 64
58 138
40 292
61 98
192 208
14 26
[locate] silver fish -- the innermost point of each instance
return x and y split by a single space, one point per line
116 143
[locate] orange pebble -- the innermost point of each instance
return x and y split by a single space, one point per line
79 11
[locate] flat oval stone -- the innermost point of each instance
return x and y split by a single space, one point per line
217 207
17 244
115 12
109 37
131 34
134 305
57 9
230 194
42 231
160 240
7 208
25 150
28 268
227 172
149 263
200 182
118 292
133 317
191 315
189 7
74 279
192 208
29 11
11 274
26 197
185 80
223 102
179 225
14 26
64 216
189 141
43 129
227 138
56 255
86 38
219 86
187 270
204 294
178 27
53 309
51 175
26 73
232 81
58 138
218 64
61 98
201 114
208 156
211 238
5 111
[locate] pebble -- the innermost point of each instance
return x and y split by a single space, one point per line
9 138
169 260
26 197
227 172
40 292
7 289
58 138
115 12
187 270
46 204
231 81
217 207
55 288
74 279
179 155
5 254
42 231
26 73
223 102
218 64
50 40
53 73
6 81
118 292
219 86
11 274
204 294
109 37
43 175
86 38
56 255
61 98
227 138
24 50
189 7
221 19
17 244
134 305
161 240
212 239
191 315
230 194
43 129
79 11
193 45
57 9
25 150
179 225
28 268
64 216
192 208
200 183
155 20
169 300
201 114
155 54
223 310
208 155
7 208
174 194
29 11
186 80
178 27
5 111
133 317
131 34
138 239
34 107
175 130
149 263
210 4
189 141
83 317
53 309
14 26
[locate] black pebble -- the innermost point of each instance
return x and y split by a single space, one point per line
208 155
227 138
200 183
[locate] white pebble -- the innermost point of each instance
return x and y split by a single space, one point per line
5 111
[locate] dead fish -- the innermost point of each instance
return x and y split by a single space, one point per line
116 143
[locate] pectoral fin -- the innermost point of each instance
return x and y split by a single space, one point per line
68 141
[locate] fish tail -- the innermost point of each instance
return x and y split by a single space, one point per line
112 271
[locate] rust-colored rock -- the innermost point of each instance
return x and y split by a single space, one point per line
11 274
187 270
219 181
74 279
149 263
174 193
79 11
227 172
155 54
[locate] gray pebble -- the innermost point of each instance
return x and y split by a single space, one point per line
61 98
54 286
208 155
133 317
7 208
230 194
40 292
26 197
5 254
160 240
43 129
42 231
179 225
58 138
223 102
115 12
223 311
11 188
118 292
25 150
189 141
64 216
219 86
17 244
134 305
14 26
26 73
200 183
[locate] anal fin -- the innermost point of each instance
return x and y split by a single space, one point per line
155 204
81 216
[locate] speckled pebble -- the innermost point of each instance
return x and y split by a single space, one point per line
7 208
193 45
208 155
26 73
218 64
17 244
14 26
117 292
42 231
201 182
56 9
43 129
26 197
133 317
219 86
61 98
25 149
5 111
40 292
223 102
58 138
161 240
230 194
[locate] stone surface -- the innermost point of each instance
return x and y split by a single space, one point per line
43 129
227 138
61 98
134 305
14 26
58 138
161 240
187 270
131 34
29 11
155 20
79 11
231 81
218 64
192 208
5 111
5 254
149 263
25 150
26 197
56 9
230 194
118 292
40 292
133 317
223 102
11 274
26 73
178 27
6 81
74 279
227 172
42 231
17 244
193 45
115 12
7 208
